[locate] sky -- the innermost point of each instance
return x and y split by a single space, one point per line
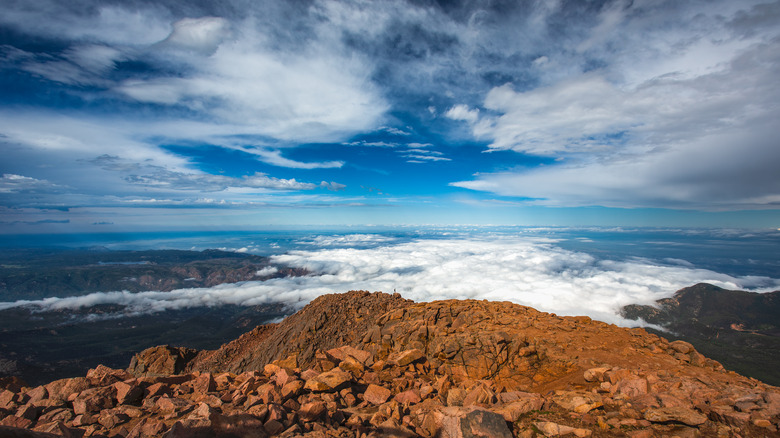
170 114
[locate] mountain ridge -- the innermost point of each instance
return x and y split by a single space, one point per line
740 329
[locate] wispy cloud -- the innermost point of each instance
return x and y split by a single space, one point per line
275 157
662 104
11 183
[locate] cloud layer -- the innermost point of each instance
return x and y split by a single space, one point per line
529 271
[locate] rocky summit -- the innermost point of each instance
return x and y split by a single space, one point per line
365 364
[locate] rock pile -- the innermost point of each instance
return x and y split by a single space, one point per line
441 369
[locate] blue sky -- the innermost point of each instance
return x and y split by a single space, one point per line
139 115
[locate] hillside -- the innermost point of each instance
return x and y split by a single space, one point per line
737 328
370 364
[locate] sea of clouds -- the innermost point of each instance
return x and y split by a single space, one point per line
531 271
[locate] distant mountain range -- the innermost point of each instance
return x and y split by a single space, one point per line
28 274
42 345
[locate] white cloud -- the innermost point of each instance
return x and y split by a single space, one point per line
12 183
103 23
348 240
463 112
426 158
715 172
528 271
268 270
416 154
275 157
315 93
676 117
333 186
374 144
94 57
203 34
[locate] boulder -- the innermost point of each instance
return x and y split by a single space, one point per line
471 422
631 387
405 358
480 395
411 396
161 361
329 381
104 376
63 388
204 383
128 393
312 411
594 374
554 429
376 394
514 410
577 401
675 415
292 389
37 394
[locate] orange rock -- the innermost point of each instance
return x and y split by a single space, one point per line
631 387
675 415
104 376
55 415
461 422
292 389
14 421
480 395
554 429
161 361
352 365
577 401
595 374
404 358
128 393
157 390
273 427
37 394
376 394
63 388
409 397
329 381
28 411
93 400
312 411
7 399
204 383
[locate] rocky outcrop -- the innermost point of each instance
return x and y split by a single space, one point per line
327 322
161 361
441 369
